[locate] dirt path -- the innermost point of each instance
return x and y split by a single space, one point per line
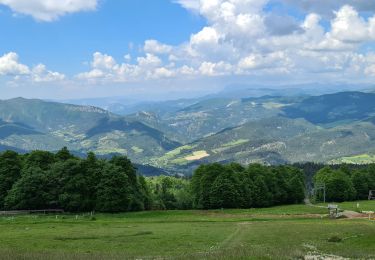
235 238
353 214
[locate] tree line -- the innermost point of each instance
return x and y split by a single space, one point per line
344 183
45 180
214 186
235 186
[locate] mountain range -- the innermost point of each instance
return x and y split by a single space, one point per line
179 135
36 124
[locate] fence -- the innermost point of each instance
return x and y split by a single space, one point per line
26 212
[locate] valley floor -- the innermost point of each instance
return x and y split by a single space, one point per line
286 232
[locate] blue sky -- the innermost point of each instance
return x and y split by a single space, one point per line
65 44
168 49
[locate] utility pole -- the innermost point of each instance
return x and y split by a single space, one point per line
321 186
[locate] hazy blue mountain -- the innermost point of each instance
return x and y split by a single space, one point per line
327 109
6 148
212 115
311 89
36 124
8 129
269 129
123 106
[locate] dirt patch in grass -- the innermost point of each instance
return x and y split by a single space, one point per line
320 256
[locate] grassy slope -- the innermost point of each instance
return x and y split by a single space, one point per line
279 232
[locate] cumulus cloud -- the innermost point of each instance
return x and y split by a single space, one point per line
348 26
10 66
105 68
242 38
153 46
40 73
49 10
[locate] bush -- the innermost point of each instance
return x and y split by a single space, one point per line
334 239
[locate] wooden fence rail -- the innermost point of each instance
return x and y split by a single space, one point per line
26 212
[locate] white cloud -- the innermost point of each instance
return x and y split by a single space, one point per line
155 47
189 4
49 10
104 68
163 73
348 26
208 36
215 69
103 61
257 61
240 40
149 61
9 65
40 73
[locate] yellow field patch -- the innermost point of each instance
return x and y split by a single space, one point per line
273 105
197 156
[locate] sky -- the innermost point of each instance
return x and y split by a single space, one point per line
163 49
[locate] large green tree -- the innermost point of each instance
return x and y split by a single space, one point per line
113 191
73 184
361 182
338 184
224 192
10 172
31 191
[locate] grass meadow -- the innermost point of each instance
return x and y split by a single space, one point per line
286 232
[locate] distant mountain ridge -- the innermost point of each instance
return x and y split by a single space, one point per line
332 108
268 129
35 124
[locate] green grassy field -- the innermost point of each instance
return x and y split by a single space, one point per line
364 205
287 232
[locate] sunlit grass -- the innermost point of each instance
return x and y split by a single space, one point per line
283 232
